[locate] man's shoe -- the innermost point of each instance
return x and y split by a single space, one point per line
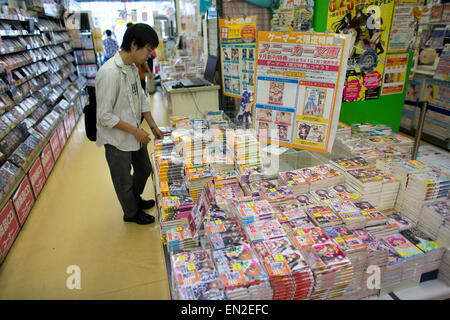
146 204
140 218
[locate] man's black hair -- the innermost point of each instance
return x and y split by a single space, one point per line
108 33
141 34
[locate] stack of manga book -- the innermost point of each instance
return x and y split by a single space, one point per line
389 191
195 276
332 270
355 250
264 230
251 210
349 163
278 194
197 177
413 257
290 276
369 129
443 238
422 187
394 268
321 176
403 171
242 274
381 230
179 238
350 214
164 147
175 210
371 156
257 189
306 200
368 182
323 216
323 196
373 216
294 180
435 213
250 174
224 233
432 250
343 130
444 268
401 221
228 192
289 211
224 177
405 144
200 211
245 147
344 192
173 188
170 168
306 237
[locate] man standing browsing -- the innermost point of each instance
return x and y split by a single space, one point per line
121 103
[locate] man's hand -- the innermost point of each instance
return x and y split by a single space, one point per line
158 133
142 136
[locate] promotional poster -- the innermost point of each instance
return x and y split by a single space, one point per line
395 73
298 91
368 23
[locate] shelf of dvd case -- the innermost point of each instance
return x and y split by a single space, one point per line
24 49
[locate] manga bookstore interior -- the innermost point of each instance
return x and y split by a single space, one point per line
294 149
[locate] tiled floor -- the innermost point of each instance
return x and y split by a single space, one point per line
77 220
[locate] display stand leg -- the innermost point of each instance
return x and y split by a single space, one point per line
423 111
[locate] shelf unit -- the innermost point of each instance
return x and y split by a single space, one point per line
41 99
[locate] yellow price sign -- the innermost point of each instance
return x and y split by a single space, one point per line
182 258
237 266
339 239
191 267
279 257
301 232
273 190
250 204
179 229
218 222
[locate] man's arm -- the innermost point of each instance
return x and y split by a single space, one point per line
151 122
141 135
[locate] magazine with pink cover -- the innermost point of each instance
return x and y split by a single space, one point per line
288 252
330 254
327 171
306 200
310 174
293 178
270 229
322 215
299 223
344 192
402 246
323 195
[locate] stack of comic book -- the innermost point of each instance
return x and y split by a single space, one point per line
224 232
394 268
350 214
323 216
179 238
405 144
321 176
414 258
401 221
332 270
164 147
369 129
377 253
403 170
343 130
371 156
289 211
195 276
173 188
384 229
306 200
180 122
225 177
257 189
355 250
389 191
422 187
344 192
443 238
349 163
245 147
252 210
243 276
432 250
323 196
264 230
249 174
294 180
197 177
170 168
176 209
289 274
227 192
278 194
368 182
434 214
373 216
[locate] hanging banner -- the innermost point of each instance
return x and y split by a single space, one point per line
369 23
238 47
395 74
405 25
298 93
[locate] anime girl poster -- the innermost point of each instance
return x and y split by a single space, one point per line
314 102
369 23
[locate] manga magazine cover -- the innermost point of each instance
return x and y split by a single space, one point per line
369 23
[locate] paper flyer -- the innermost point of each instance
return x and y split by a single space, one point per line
395 73
298 90
238 46
368 22
405 25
